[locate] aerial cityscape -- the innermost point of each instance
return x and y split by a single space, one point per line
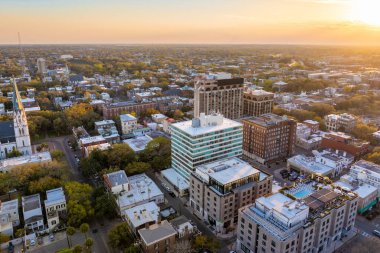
173 126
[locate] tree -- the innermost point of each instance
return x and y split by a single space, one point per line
79 202
57 154
120 236
14 153
88 243
84 227
43 184
363 131
105 205
132 249
120 155
77 249
70 231
137 168
81 115
201 242
178 114
157 153
322 109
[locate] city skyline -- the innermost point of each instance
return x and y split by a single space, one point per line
346 22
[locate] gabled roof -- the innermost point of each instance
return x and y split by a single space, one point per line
7 132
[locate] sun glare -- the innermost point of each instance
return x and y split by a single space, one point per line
366 11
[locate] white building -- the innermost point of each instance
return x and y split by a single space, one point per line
138 143
14 135
9 216
159 118
141 190
8 164
139 216
203 140
367 172
116 182
324 163
41 66
128 123
344 121
32 212
55 206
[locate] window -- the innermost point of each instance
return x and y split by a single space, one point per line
273 243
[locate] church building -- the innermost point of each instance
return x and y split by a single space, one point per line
14 135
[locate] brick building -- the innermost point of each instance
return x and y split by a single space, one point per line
269 137
341 141
257 102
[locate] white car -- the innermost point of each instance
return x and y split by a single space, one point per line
32 242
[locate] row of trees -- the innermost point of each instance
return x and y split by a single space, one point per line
157 155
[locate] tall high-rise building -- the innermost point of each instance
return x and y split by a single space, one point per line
41 66
14 135
203 140
214 94
269 137
257 102
218 189
303 219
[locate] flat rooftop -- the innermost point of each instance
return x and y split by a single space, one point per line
104 122
186 126
267 119
138 143
175 178
54 196
282 205
92 139
127 117
9 206
368 166
26 159
31 202
320 198
309 164
141 214
117 178
157 232
142 188
226 171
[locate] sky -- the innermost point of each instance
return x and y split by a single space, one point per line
353 22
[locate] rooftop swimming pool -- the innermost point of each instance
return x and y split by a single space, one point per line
301 191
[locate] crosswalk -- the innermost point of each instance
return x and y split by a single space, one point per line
369 236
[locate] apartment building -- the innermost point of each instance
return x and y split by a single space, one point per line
219 189
269 137
340 122
344 142
310 220
32 212
9 217
219 93
158 238
55 206
203 140
128 123
366 172
257 102
115 109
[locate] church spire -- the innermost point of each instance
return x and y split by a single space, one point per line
17 104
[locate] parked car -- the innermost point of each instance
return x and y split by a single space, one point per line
376 232
32 242
51 237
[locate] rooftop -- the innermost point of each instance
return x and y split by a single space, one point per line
142 188
267 119
31 202
104 122
54 196
26 159
138 143
226 171
157 232
92 139
309 164
117 178
127 117
175 178
207 124
141 214
9 206
368 166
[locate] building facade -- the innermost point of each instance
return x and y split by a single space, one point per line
203 140
342 122
219 189
344 142
116 109
14 135
223 96
268 138
257 102
281 224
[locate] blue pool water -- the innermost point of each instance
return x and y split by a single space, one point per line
302 193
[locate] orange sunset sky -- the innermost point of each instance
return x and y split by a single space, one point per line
354 22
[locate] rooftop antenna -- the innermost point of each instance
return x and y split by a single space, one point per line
22 60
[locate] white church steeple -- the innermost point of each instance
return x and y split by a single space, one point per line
20 123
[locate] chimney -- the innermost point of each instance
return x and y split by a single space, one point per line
159 219
147 225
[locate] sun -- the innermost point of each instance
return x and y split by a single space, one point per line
366 11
